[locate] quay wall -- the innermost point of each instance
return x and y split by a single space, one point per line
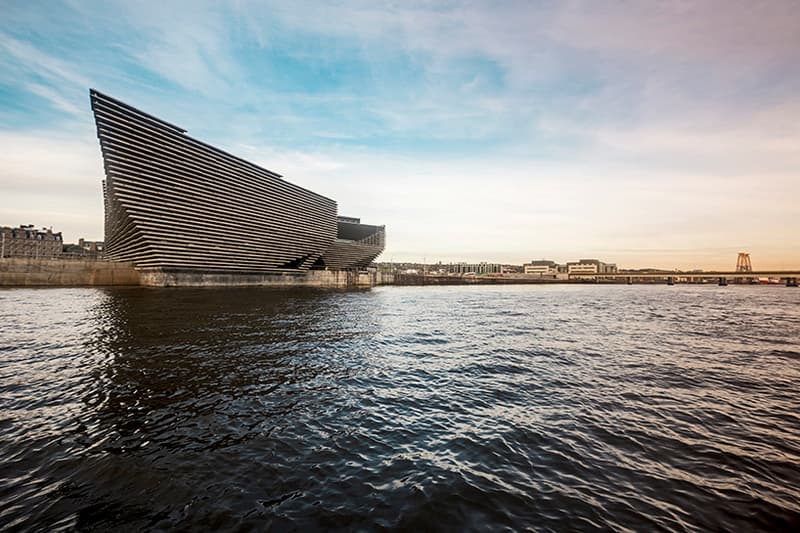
420 279
41 272
787 277
312 278
511 279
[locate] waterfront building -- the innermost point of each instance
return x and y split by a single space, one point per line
546 268
590 266
27 241
450 269
475 268
92 247
512 269
541 268
176 204
85 249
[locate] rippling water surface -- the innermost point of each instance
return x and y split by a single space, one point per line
455 408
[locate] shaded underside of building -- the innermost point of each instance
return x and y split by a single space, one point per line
174 203
356 245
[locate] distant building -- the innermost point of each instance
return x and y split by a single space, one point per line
474 268
546 268
541 268
93 247
85 249
27 241
590 266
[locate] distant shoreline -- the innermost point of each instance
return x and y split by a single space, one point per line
637 279
45 272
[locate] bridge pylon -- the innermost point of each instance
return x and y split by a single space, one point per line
743 263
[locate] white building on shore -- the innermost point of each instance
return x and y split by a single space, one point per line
551 269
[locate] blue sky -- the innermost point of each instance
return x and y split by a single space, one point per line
645 133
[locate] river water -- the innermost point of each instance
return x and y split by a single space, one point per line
571 407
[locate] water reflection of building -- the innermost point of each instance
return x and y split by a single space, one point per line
175 204
158 363
170 397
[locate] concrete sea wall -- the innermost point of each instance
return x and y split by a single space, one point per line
37 272
312 278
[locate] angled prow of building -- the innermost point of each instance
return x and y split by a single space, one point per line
185 212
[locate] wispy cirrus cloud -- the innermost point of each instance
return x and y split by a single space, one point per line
55 98
32 59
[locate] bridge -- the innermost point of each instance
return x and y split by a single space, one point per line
789 276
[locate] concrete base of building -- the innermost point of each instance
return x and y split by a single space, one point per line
35 272
312 278
38 272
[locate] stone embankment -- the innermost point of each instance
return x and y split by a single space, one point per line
38 272
312 278
428 279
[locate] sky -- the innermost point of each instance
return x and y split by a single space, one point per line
663 134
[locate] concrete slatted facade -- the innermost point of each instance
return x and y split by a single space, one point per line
177 204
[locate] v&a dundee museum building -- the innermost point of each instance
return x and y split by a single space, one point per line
186 213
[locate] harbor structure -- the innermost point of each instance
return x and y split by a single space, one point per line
743 263
180 209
